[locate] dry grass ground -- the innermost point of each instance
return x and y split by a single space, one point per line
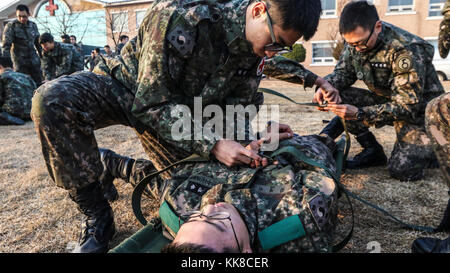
36 216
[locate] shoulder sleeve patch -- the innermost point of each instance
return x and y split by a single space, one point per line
404 63
182 39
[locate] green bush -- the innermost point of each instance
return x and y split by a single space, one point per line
298 53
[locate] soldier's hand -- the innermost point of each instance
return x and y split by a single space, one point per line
326 93
284 130
256 146
232 153
345 111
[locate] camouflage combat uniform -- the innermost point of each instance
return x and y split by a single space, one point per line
263 197
16 91
401 81
20 43
196 49
437 122
444 31
64 59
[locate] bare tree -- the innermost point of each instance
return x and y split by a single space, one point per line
334 35
117 24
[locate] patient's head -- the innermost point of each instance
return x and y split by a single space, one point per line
218 228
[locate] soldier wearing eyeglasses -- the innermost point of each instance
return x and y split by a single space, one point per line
215 50
397 68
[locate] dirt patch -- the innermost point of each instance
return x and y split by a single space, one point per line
36 216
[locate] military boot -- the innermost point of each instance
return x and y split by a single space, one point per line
7 119
372 154
114 166
431 245
97 226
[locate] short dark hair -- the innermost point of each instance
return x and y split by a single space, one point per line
358 14
65 38
97 50
46 38
5 62
107 46
23 8
75 37
122 37
300 15
192 248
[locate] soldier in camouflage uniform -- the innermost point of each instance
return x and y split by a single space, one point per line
58 58
78 46
16 91
397 68
184 49
20 43
437 123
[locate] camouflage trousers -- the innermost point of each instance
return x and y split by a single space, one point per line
437 123
31 68
412 151
67 111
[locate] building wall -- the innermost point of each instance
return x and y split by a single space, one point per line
131 28
417 22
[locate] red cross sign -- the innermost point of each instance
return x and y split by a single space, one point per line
51 7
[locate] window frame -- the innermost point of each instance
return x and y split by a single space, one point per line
135 15
439 16
126 28
402 9
323 61
333 12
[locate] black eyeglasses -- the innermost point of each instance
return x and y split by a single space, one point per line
363 44
274 46
213 216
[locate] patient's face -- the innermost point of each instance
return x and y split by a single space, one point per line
216 234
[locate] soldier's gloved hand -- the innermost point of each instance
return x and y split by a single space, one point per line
326 93
232 153
444 38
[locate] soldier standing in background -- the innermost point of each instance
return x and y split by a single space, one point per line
16 91
437 121
123 39
65 39
397 68
78 46
58 58
20 43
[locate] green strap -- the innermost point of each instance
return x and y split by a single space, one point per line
275 93
139 189
281 232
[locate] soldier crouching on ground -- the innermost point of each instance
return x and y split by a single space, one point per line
58 58
16 91
20 43
213 50
397 67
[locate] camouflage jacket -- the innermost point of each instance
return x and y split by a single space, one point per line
64 59
188 49
265 196
23 39
444 32
399 68
16 91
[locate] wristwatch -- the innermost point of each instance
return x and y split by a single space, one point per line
360 115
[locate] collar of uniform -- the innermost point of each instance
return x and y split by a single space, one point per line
233 17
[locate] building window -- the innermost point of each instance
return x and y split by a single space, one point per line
328 8
400 5
435 8
322 53
139 17
120 22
